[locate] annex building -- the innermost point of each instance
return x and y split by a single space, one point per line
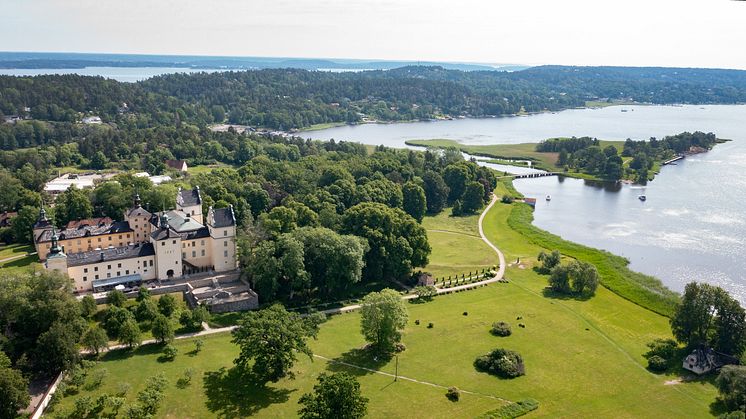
99 254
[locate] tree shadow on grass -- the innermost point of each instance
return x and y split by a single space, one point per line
550 293
124 353
361 357
233 395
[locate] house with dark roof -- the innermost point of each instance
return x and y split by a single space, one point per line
154 246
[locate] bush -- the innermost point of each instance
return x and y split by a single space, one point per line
501 362
170 352
430 325
657 364
506 199
500 329
663 348
453 394
425 293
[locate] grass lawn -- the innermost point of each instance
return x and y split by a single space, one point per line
206 168
457 247
583 357
13 250
318 127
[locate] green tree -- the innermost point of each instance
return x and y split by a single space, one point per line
584 277
13 389
333 261
559 279
99 161
334 396
731 385
88 306
73 204
167 305
23 223
110 200
146 310
277 268
115 318
129 334
383 317
549 260
143 293
162 329
415 203
116 298
397 242
472 199
94 340
708 315
270 338
456 176
436 192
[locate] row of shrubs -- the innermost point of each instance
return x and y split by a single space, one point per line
512 410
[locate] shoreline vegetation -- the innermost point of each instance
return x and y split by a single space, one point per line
644 290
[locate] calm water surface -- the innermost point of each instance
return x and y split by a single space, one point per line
693 224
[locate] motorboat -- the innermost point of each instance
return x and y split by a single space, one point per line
642 198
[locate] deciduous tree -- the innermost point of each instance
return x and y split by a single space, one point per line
383 317
334 396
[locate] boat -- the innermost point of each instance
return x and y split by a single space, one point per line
624 110
549 198
642 198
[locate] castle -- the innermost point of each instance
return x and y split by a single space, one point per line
99 254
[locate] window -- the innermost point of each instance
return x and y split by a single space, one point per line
108 266
120 237
99 239
183 255
225 233
108 274
128 236
119 273
202 243
225 253
163 244
85 279
109 238
85 270
95 268
194 254
174 241
119 265
151 262
225 243
203 252
127 272
96 276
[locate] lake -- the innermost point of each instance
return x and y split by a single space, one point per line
692 226
124 74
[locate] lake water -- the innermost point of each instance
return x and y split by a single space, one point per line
125 74
692 226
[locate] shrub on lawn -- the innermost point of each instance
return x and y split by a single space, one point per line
501 362
170 352
430 325
657 364
500 329
453 394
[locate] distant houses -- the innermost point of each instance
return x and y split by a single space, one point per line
92 120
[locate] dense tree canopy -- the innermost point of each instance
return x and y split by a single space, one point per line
383 317
334 396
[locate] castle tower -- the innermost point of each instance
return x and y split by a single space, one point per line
138 219
56 259
190 202
167 245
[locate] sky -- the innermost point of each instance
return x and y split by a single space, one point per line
672 33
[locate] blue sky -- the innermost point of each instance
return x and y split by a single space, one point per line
690 33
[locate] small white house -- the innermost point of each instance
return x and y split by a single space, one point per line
92 120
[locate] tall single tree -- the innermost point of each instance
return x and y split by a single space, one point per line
95 340
268 341
436 192
383 317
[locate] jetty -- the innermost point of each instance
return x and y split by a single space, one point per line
677 158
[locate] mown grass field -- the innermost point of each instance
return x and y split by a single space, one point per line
457 247
21 264
583 357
